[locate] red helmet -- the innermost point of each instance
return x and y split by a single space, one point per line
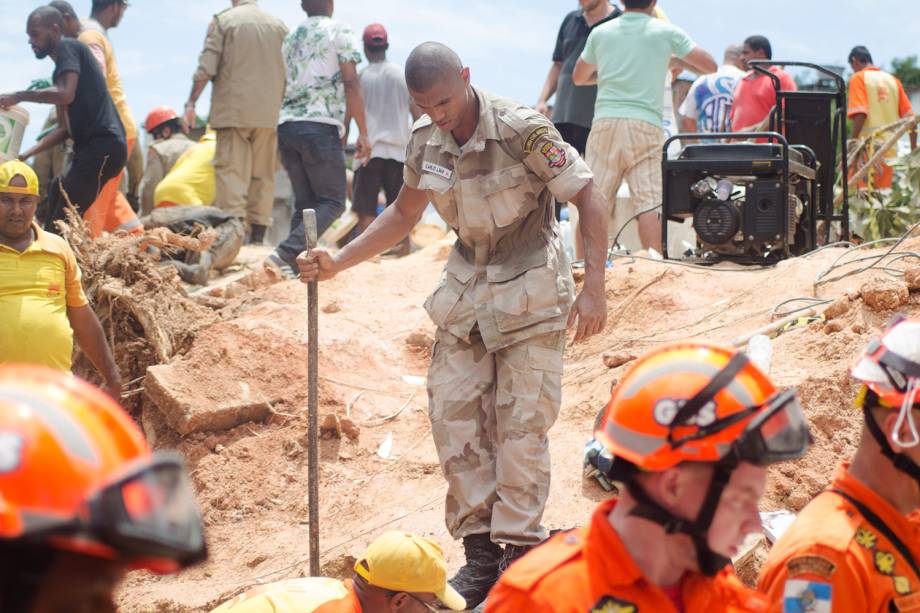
77 474
700 403
158 117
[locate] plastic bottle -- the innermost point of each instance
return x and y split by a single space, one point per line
13 122
568 238
760 352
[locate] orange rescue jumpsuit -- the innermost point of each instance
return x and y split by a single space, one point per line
590 570
832 549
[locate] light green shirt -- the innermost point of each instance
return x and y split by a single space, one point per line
632 55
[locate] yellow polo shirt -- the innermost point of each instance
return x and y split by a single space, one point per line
36 287
192 181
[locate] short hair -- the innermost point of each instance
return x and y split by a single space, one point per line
760 43
860 53
733 51
47 16
429 64
637 4
101 5
174 124
65 8
315 7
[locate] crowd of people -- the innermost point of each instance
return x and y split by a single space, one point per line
692 427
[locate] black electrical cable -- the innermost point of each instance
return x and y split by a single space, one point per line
616 239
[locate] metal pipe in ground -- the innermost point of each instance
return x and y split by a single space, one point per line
309 227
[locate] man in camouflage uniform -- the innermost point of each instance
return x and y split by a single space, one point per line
493 170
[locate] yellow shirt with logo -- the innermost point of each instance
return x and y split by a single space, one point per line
191 181
36 287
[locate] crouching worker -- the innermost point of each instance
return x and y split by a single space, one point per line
856 546
42 304
82 498
195 267
399 572
692 429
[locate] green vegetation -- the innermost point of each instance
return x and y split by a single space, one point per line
876 215
907 69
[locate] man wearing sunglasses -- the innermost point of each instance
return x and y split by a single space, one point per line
856 547
399 572
692 429
82 498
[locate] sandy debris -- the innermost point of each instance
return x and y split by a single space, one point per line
252 490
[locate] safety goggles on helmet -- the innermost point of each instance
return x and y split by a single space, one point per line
778 431
147 515
901 384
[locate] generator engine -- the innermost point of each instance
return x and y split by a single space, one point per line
749 202
729 223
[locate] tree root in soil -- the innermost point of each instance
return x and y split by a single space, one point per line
146 315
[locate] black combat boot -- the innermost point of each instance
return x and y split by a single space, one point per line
480 573
510 555
257 234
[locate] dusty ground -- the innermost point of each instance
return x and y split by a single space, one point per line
252 479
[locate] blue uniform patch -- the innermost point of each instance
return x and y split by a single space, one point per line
807 597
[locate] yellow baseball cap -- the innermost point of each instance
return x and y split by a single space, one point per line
404 562
12 169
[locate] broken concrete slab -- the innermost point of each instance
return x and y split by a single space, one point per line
235 372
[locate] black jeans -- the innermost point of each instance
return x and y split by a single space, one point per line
313 155
377 174
577 136
94 165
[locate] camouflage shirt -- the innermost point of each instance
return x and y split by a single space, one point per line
508 272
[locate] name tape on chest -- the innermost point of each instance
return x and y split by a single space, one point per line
433 168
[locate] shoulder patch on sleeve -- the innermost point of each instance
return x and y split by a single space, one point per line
531 141
807 597
810 564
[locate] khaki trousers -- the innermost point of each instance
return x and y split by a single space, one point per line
490 415
244 166
627 149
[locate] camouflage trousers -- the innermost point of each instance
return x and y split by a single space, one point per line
490 415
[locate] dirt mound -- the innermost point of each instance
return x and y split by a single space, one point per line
374 348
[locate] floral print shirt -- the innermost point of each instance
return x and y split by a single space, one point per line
312 56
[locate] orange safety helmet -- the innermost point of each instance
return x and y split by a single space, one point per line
696 402
77 474
647 423
158 117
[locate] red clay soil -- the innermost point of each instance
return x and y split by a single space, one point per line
252 480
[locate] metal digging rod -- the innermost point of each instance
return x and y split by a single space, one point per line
309 228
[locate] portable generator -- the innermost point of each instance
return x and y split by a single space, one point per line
767 198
